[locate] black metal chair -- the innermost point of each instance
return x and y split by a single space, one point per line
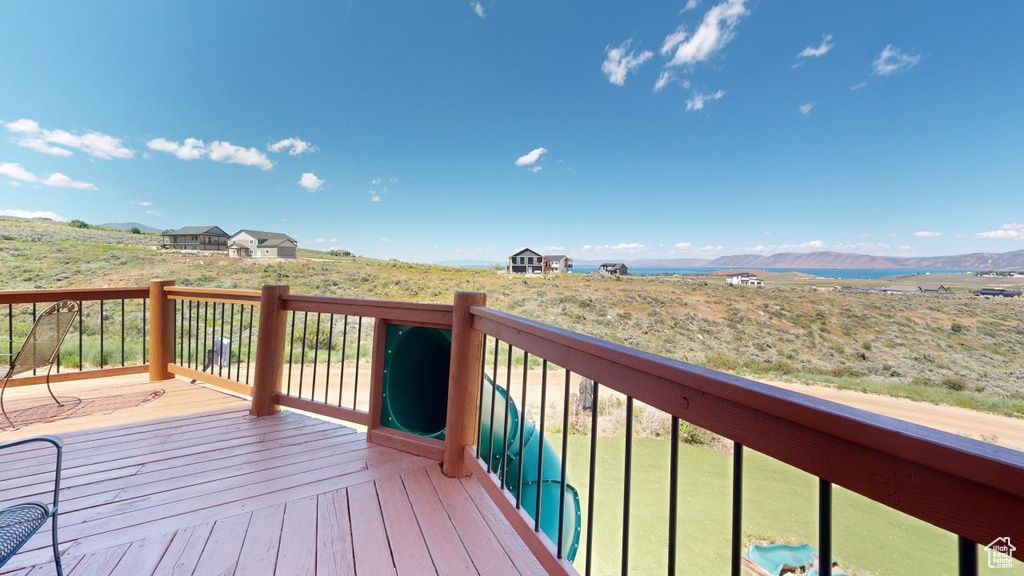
19 522
42 347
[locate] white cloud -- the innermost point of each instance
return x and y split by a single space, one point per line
616 248
805 109
892 60
672 40
683 246
190 149
295 146
385 240
218 151
690 5
33 214
862 246
618 63
56 142
927 234
663 79
535 169
531 157
154 213
375 181
716 30
58 180
310 182
859 85
320 240
550 249
711 248
478 9
229 153
696 104
375 198
809 245
55 180
141 203
819 50
1014 231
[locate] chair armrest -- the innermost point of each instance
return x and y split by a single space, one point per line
57 442
58 445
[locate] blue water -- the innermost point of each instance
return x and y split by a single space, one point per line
865 273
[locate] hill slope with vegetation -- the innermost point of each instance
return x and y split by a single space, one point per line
960 350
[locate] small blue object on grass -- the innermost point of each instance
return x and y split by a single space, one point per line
777 558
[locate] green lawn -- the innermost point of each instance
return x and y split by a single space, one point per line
780 505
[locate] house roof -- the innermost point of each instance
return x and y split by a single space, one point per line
556 256
932 286
525 251
196 230
267 238
613 265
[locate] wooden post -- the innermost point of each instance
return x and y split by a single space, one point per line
161 330
463 384
269 351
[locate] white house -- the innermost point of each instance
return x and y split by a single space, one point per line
743 279
258 244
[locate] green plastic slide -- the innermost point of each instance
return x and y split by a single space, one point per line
500 424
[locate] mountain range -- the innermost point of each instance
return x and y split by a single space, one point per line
837 260
129 226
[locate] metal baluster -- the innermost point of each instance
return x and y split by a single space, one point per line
330 345
480 405
565 449
179 316
188 359
33 323
503 466
10 331
101 334
673 495
302 353
359 343
220 365
122 331
593 470
540 453
145 333
81 332
737 508
344 344
231 338
241 328
824 527
494 395
626 484
291 354
206 330
248 349
967 557
316 357
522 431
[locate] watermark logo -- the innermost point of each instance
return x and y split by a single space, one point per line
1000 553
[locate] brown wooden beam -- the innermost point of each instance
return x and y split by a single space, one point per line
269 351
161 330
463 383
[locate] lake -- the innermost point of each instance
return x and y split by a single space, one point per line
865 273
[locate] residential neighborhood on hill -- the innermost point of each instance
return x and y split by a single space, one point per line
242 244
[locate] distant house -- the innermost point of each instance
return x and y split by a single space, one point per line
525 261
211 238
743 279
615 268
998 293
901 290
934 288
557 263
259 244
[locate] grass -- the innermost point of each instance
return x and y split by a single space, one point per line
780 505
958 350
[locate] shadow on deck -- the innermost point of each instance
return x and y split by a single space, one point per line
174 478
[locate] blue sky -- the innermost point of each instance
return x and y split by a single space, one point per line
457 130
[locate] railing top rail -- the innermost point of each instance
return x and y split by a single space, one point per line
79 294
437 314
217 294
904 465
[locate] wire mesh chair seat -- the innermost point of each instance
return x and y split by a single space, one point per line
41 348
19 522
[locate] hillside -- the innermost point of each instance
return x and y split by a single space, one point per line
963 350
129 226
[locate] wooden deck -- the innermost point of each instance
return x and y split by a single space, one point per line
184 481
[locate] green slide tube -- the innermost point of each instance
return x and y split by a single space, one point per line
500 445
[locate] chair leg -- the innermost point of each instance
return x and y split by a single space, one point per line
56 550
2 409
48 389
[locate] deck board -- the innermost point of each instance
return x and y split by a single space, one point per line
190 484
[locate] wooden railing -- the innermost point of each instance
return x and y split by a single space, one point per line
973 489
284 351
109 337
